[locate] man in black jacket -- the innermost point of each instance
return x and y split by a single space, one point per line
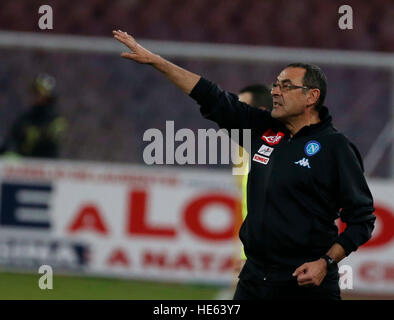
304 175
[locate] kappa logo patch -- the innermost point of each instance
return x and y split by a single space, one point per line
304 162
260 159
265 150
271 137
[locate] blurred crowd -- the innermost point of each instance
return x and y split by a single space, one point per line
292 23
108 102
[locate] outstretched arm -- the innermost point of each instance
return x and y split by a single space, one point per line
183 79
216 104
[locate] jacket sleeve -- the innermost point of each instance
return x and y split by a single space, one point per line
225 109
354 197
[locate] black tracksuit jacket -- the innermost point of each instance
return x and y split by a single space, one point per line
293 199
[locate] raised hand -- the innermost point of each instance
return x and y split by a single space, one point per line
182 78
138 53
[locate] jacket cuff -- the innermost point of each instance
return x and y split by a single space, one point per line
346 244
200 90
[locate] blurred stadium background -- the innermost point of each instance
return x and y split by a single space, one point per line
108 104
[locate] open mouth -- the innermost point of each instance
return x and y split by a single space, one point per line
277 104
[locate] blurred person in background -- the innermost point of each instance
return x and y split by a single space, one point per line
257 96
309 176
36 133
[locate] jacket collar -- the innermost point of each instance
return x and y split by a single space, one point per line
325 121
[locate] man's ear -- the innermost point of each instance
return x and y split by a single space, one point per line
313 96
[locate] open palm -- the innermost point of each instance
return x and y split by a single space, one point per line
138 53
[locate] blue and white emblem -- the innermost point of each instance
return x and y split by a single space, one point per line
312 147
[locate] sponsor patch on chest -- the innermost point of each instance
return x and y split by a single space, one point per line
271 137
265 150
261 159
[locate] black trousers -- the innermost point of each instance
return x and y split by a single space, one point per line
286 290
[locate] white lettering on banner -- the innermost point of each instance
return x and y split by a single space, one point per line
29 252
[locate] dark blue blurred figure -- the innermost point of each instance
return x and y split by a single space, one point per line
36 133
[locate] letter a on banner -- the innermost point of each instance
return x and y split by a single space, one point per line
89 219
118 257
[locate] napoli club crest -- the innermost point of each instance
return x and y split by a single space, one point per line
312 147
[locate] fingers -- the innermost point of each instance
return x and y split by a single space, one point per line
128 55
301 269
121 37
308 279
304 279
308 274
125 38
122 34
138 53
119 32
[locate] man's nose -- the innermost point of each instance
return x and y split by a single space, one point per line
275 91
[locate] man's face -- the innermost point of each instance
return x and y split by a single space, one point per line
289 104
